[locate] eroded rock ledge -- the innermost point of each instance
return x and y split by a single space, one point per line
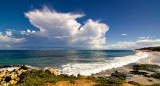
9 75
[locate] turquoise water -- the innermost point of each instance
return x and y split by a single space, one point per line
57 58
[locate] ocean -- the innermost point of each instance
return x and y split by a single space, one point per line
85 62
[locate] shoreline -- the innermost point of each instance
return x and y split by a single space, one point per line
94 68
117 65
153 58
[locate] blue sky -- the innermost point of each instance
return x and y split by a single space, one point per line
138 20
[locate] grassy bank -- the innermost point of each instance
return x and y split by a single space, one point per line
40 77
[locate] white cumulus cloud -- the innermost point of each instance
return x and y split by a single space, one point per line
134 45
8 42
9 33
61 30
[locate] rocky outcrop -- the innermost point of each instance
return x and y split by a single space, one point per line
11 77
53 71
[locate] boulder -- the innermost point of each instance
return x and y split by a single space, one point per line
17 79
13 75
7 79
3 83
20 71
12 82
24 67
53 71
3 72
15 70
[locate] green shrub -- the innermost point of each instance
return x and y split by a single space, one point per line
147 67
107 82
140 67
156 75
119 75
72 81
134 83
137 84
156 84
139 73
39 77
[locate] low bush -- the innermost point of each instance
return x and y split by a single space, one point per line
39 77
106 82
138 84
119 75
156 84
138 73
134 83
156 75
148 67
72 81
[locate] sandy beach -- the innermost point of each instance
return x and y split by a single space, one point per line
153 58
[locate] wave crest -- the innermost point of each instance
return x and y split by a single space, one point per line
87 69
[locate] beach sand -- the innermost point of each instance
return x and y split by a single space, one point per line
153 58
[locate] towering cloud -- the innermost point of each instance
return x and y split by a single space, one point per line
61 30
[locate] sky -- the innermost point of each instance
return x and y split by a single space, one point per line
79 24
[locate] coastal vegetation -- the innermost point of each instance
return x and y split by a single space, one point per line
148 67
107 81
26 76
119 75
138 84
150 49
141 69
40 77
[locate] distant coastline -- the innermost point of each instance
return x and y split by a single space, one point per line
150 49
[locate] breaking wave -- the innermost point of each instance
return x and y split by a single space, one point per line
87 69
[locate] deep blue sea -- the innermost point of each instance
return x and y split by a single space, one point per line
67 60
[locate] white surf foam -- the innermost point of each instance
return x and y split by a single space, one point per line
87 69
9 68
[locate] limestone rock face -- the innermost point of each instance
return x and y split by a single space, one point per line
53 71
11 77
3 83
8 77
12 82
24 67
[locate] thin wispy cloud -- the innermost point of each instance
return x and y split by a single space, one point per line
143 37
123 34
135 45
